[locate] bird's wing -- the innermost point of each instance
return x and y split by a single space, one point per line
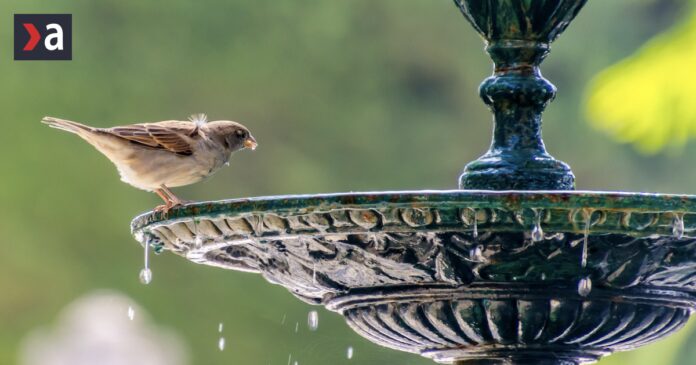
174 136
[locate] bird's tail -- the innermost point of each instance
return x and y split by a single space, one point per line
66 125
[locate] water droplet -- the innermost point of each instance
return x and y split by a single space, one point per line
314 274
474 232
349 352
537 232
476 254
282 321
198 242
221 343
585 287
678 226
289 358
131 313
220 327
146 276
295 363
297 326
313 320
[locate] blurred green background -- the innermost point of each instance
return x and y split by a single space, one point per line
341 95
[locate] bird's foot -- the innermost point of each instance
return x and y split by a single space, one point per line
164 208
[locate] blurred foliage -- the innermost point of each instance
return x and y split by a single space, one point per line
648 98
341 95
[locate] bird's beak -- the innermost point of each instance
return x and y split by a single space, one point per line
250 143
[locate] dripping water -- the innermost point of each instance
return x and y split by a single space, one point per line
146 273
131 313
474 232
349 352
297 326
585 286
313 320
221 341
282 321
537 232
476 254
198 241
678 226
585 238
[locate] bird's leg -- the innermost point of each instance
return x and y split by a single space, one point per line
173 198
168 204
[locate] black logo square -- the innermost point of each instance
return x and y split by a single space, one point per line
43 37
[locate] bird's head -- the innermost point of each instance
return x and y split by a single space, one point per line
232 135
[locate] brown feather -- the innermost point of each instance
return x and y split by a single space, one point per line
173 136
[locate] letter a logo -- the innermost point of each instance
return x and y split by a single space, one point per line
43 37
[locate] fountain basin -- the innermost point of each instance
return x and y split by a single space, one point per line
464 276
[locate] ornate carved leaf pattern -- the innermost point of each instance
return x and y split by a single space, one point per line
332 252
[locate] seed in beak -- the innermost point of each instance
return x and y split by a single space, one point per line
250 143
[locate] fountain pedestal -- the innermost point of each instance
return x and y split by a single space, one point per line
518 35
506 274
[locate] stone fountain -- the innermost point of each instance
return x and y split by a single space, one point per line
515 267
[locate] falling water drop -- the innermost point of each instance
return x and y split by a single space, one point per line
537 232
297 326
220 327
314 274
349 352
313 320
289 358
131 313
295 363
221 343
145 273
145 276
198 242
585 286
678 226
282 321
474 232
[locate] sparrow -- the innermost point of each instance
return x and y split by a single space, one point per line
162 155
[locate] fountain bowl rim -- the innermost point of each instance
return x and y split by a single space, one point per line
506 199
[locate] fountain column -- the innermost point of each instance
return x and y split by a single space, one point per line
518 35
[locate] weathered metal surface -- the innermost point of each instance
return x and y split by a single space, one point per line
518 34
457 275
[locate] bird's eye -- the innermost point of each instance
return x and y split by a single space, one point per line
241 133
